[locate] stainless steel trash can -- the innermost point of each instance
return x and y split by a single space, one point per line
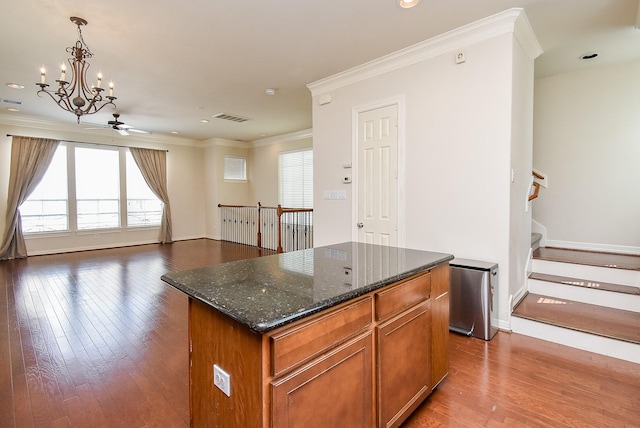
472 303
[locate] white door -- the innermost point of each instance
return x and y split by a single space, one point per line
378 176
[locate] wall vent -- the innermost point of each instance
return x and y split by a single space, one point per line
12 102
230 117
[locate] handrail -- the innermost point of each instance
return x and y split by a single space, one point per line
537 175
536 189
535 184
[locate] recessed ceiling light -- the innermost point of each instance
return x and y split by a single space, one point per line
589 55
12 109
406 4
15 86
270 91
204 120
174 132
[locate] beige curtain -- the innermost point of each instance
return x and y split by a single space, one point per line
153 165
30 158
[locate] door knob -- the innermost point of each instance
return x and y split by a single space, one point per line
360 225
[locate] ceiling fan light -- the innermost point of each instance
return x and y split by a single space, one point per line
407 4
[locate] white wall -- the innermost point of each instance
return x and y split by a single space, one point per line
264 164
217 190
185 168
458 140
262 173
587 140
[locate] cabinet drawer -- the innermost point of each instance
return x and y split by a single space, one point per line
307 340
408 293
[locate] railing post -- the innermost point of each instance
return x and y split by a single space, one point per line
259 233
279 228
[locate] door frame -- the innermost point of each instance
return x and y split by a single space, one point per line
399 101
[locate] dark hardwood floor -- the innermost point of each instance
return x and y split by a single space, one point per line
95 339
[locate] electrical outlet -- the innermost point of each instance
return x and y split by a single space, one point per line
222 380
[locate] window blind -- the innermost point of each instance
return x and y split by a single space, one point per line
295 172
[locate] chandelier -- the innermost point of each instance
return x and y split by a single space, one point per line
76 96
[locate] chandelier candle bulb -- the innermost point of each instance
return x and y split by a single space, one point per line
63 72
111 89
99 79
42 75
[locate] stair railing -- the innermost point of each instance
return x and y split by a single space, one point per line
535 184
275 228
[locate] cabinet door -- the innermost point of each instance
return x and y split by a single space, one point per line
440 324
403 364
335 390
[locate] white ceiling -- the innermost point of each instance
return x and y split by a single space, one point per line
174 63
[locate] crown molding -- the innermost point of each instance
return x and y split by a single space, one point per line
223 142
475 32
523 32
70 131
284 138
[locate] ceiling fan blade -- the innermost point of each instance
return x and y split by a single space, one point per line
122 131
139 131
123 126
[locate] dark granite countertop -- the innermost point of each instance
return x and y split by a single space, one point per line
268 292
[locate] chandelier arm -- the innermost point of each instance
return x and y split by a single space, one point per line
62 101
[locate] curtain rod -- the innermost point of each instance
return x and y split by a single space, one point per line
86 142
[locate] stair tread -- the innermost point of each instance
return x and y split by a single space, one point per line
603 321
586 283
591 258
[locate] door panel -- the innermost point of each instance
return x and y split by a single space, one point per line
378 175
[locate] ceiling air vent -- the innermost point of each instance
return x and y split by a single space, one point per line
230 117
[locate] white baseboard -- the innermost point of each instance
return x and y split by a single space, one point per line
538 228
189 238
587 246
90 248
518 296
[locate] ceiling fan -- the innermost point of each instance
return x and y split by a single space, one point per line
122 128
119 126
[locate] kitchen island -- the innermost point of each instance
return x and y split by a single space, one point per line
351 335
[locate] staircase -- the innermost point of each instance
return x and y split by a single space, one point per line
583 299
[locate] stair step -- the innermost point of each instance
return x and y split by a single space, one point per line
593 319
590 258
595 274
585 291
586 283
577 339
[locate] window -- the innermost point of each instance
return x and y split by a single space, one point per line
46 209
143 207
235 168
97 188
101 177
295 171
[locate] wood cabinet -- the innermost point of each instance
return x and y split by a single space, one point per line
439 324
335 390
403 364
367 362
